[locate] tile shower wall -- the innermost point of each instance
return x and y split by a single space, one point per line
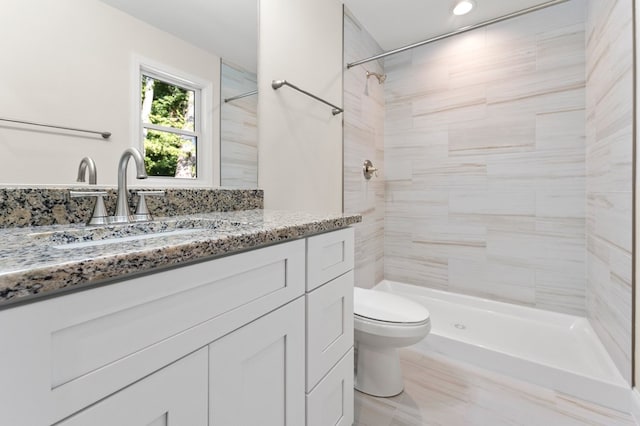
238 129
363 139
609 156
485 162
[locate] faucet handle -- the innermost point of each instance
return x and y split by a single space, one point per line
99 215
142 211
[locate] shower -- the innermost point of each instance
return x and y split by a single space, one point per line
381 77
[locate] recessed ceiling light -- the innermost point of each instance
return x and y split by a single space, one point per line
463 7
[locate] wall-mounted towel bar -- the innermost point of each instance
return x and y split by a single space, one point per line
244 95
276 84
105 135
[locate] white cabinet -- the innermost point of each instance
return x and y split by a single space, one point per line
173 396
257 373
238 340
66 353
329 299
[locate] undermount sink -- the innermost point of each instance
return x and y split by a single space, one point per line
115 240
73 237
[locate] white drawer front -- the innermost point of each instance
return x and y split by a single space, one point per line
214 288
329 256
331 402
329 326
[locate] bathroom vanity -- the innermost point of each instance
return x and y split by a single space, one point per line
243 324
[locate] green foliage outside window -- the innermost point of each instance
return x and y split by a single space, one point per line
170 107
161 153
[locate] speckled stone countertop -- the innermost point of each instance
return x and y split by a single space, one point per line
46 260
20 207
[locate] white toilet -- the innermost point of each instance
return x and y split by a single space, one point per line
384 322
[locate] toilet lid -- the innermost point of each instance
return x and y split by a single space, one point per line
383 306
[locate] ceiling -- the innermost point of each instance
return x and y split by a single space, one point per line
226 28
398 23
229 28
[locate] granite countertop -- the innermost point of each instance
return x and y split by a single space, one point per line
46 260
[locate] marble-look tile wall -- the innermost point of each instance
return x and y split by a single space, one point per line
364 139
238 129
609 127
485 162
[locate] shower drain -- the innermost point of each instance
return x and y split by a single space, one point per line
460 326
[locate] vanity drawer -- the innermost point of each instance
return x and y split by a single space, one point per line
329 256
87 345
329 326
331 402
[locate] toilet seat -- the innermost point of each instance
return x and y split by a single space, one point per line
387 308
391 330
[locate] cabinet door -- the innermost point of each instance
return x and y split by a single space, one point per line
329 326
173 396
257 372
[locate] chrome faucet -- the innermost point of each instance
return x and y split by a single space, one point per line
87 163
122 207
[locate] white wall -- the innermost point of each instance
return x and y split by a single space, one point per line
300 149
69 62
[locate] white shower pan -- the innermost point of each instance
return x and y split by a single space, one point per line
557 351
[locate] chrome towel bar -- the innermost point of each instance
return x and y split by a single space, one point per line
105 135
244 95
276 84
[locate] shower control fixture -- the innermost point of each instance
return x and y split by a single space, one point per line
381 77
368 170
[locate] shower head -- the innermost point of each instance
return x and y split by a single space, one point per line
381 77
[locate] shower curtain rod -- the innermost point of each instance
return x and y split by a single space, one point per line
458 31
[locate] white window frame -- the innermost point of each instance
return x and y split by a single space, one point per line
203 121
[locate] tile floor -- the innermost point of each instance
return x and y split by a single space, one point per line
443 392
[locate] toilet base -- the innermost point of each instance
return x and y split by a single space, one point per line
378 371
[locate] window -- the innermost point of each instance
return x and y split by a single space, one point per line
172 127
168 112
